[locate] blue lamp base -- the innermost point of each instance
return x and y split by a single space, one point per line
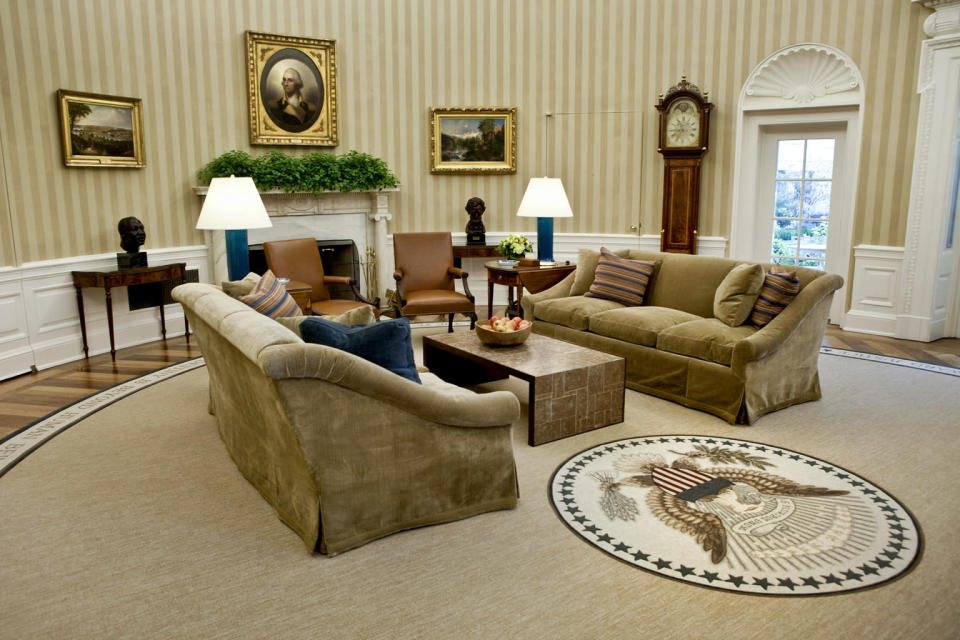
544 239
238 256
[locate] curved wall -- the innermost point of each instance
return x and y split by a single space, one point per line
397 58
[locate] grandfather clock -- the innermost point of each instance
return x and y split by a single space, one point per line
684 135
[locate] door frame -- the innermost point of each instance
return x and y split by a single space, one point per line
801 84
746 216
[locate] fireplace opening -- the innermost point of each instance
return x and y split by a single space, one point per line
339 258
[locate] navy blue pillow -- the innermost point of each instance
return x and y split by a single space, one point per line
384 343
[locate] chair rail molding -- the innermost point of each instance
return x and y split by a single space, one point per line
39 322
806 84
929 277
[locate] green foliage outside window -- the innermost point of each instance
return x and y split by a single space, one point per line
312 173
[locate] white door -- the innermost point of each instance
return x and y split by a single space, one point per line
800 182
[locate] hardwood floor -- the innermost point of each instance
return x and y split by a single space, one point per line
25 398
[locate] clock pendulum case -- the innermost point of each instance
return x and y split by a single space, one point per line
684 137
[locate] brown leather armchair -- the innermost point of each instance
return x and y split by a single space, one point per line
425 277
299 260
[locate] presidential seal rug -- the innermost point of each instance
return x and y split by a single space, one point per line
735 515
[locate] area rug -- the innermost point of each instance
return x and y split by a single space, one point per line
134 522
736 515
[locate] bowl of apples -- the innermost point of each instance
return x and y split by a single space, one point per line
503 332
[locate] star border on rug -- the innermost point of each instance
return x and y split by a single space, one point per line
897 548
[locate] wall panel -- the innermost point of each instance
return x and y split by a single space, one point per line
397 58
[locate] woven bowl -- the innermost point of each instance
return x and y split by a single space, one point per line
501 338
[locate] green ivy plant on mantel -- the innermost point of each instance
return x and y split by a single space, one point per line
312 173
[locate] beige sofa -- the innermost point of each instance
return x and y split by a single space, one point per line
676 349
345 450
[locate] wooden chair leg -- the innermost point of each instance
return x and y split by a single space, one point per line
450 324
473 320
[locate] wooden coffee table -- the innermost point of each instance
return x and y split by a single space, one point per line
572 389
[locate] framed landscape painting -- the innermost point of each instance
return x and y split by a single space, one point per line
473 140
292 90
100 131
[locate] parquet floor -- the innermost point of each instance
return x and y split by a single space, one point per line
25 398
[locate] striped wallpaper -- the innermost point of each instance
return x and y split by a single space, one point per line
598 66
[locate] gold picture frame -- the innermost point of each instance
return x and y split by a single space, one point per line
472 140
303 113
100 131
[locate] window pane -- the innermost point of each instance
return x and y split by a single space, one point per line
784 238
787 199
790 159
820 159
813 264
785 261
813 243
816 199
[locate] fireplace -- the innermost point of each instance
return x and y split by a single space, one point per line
334 219
339 257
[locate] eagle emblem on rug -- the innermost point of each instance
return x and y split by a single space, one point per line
748 511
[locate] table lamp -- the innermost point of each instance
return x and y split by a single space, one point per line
545 200
234 205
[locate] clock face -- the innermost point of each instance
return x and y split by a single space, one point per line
683 125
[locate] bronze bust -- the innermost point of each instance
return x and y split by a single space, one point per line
476 233
132 236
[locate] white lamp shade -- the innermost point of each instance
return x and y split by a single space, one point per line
233 203
545 198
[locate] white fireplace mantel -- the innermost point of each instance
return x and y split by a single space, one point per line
360 216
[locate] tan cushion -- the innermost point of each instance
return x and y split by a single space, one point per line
737 293
574 311
433 301
270 298
780 287
237 288
620 279
637 325
357 316
706 339
587 260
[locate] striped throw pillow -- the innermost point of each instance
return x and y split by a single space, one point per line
780 287
621 280
270 298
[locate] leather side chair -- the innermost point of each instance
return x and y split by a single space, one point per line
299 260
426 277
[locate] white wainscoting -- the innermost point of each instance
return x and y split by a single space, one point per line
39 322
565 246
875 293
40 326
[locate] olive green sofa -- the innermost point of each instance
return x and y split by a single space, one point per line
676 349
344 450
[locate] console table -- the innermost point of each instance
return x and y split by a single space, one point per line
461 251
534 278
107 280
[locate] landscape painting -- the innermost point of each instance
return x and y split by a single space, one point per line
473 140
99 130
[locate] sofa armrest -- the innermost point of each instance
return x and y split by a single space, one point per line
769 338
448 405
559 290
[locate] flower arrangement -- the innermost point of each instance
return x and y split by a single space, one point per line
514 246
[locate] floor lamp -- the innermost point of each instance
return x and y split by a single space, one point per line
234 205
545 200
